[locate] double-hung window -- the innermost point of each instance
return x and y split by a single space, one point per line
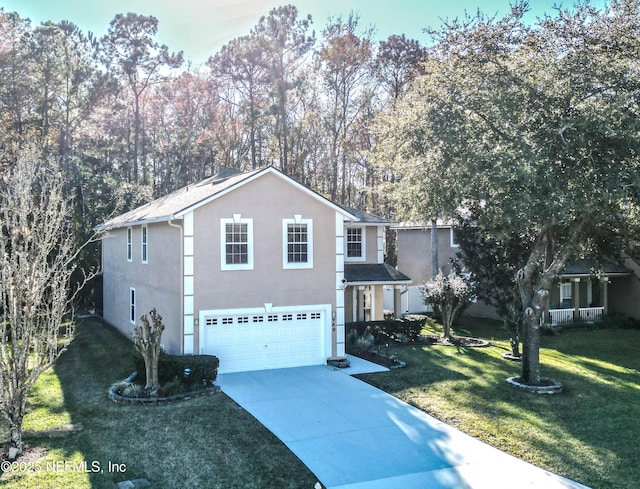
129 244
355 244
144 249
236 243
297 237
132 305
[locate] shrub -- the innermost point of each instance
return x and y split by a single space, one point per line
194 369
171 388
384 332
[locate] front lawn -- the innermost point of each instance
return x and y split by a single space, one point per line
588 433
91 442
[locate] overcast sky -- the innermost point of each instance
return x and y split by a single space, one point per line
201 27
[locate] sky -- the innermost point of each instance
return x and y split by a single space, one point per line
200 28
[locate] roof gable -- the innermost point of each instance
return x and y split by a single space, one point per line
182 201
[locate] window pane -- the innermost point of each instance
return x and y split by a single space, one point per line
297 245
237 244
354 243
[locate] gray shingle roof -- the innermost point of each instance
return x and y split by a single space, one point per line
586 267
380 273
173 205
165 208
365 217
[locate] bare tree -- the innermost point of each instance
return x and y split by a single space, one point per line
37 255
147 341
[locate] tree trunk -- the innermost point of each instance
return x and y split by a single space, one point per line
534 291
514 336
434 248
15 428
531 348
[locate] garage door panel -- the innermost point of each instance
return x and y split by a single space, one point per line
244 340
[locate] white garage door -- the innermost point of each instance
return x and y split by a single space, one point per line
254 339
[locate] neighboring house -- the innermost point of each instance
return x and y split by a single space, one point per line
586 291
582 291
249 267
414 253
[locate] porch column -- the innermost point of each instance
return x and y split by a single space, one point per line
576 299
397 301
605 297
360 303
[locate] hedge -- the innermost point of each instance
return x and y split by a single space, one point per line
203 369
388 330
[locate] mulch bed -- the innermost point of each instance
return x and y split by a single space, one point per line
434 339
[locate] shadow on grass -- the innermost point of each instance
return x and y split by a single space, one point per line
202 442
588 433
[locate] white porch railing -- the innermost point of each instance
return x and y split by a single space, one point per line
591 313
561 316
558 316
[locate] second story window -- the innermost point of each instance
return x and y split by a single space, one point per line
453 240
145 244
355 244
236 243
298 242
129 244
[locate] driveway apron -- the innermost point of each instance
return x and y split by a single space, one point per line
353 435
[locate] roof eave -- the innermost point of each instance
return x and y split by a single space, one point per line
378 282
141 222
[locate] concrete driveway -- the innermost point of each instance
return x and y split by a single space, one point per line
352 435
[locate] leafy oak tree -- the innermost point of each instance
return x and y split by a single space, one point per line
493 262
535 125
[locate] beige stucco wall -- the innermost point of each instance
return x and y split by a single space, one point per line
414 252
157 283
267 200
414 257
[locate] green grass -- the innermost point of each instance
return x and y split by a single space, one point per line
204 442
588 433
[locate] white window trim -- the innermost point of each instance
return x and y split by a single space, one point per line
236 219
363 255
453 243
144 244
285 242
132 305
129 245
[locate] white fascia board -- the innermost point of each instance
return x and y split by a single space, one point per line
418 227
380 282
126 224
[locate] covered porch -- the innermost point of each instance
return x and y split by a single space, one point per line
581 294
364 290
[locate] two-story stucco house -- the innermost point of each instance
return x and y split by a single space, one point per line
249 267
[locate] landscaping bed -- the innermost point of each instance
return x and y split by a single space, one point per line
465 341
180 376
132 390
